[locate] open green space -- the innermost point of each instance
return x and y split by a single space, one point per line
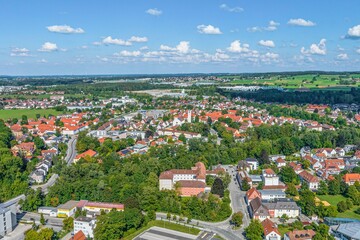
164 224
30 113
334 199
312 81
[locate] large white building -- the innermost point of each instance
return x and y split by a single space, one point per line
270 178
86 225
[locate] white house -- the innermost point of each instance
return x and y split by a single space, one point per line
86 225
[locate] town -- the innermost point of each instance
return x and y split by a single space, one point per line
191 167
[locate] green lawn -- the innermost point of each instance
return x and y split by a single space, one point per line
334 199
30 113
164 224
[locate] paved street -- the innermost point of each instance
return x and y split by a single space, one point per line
49 183
71 151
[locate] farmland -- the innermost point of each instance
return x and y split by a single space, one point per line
30 113
312 81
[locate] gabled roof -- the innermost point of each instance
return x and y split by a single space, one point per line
269 227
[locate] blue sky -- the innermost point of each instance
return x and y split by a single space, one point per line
165 36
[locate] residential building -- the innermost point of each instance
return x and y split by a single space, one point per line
86 225
257 210
88 153
351 178
310 179
78 236
278 207
271 232
253 163
251 194
272 194
300 235
269 177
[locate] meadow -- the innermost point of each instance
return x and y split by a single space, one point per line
312 81
30 113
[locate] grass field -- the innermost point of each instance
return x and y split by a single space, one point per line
164 224
298 81
333 200
30 113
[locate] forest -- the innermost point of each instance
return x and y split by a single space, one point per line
291 97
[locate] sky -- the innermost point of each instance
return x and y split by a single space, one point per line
39 37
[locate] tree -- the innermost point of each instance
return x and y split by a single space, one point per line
237 219
342 206
288 175
115 224
24 120
307 202
322 232
182 138
254 231
284 218
245 185
334 187
291 190
68 224
42 219
218 187
323 188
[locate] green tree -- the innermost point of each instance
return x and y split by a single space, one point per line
218 187
245 185
288 175
237 219
42 219
254 231
323 188
68 224
342 206
291 190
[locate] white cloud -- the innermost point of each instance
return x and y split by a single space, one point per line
208 29
128 53
97 43
48 47
237 47
116 41
317 49
272 26
267 43
183 47
354 32
358 51
64 29
269 57
342 56
138 39
154 12
20 52
301 22
231 9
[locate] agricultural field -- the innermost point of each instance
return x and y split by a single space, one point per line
30 113
312 81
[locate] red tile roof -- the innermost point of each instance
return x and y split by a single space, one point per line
269 227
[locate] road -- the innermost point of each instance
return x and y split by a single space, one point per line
53 222
224 229
71 151
45 187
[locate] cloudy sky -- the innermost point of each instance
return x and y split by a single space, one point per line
41 37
